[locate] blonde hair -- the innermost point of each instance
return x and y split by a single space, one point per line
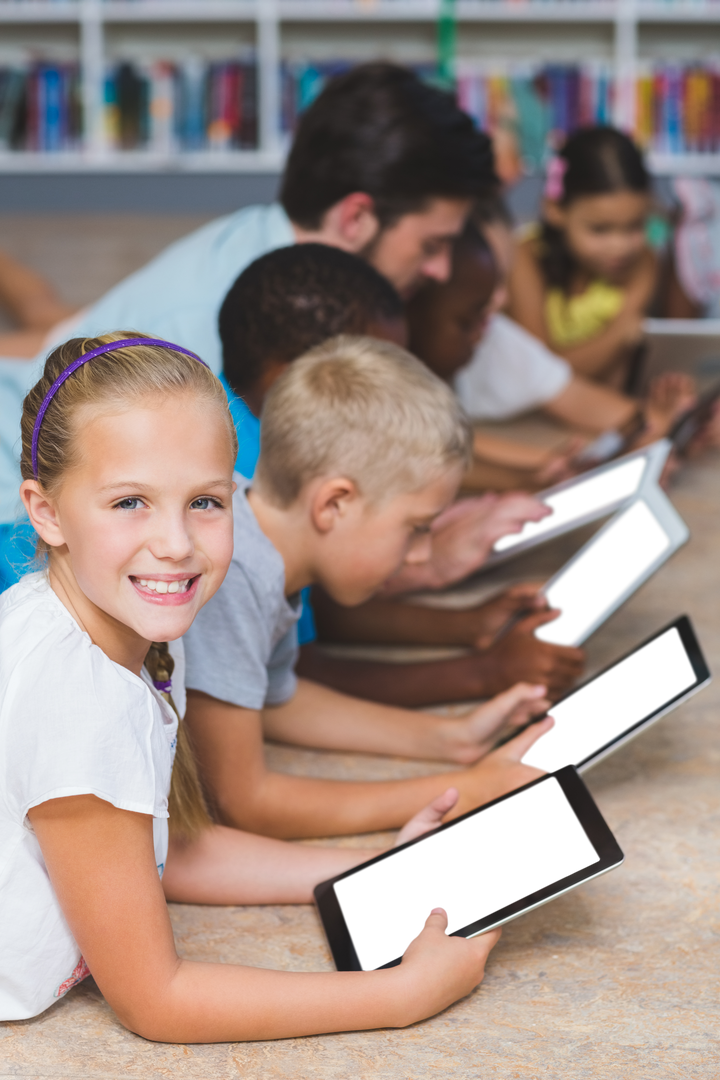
116 380
363 409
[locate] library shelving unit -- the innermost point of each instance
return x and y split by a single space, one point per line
621 33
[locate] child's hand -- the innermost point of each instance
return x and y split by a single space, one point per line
492 616
437 970
428 818
500 771
463 537
669 396
519 655
561 464
475 734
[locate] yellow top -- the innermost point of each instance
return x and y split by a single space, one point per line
574 319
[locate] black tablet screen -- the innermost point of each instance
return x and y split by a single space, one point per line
614 701
602 574
477 866
586 497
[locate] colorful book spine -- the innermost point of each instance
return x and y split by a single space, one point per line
194 105
39 107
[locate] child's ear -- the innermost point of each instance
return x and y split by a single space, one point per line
331 502
42 513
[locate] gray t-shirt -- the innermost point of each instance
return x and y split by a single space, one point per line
242 646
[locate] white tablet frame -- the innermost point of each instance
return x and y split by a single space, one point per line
675 528
656 454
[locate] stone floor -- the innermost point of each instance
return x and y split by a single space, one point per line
618 979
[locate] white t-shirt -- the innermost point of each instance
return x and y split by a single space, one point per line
511 372
72 722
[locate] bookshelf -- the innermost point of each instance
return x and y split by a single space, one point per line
623 35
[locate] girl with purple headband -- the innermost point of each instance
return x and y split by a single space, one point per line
127 459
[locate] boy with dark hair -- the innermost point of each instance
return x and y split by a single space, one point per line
294 299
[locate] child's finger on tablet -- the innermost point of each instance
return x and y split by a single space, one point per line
428 818
516 748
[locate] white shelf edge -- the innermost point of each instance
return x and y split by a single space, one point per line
678 13
161 11
29 11
684 164
136 161
178 11
468 11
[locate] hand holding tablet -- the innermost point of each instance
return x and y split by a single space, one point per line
621 701
485 868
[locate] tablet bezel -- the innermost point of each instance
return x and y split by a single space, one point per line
587 813
675 529
703 677
655 454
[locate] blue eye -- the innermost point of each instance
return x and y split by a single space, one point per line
205 503
129 504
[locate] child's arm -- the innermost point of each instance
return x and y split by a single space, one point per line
597 356
492 667
227 866
584 404
391 622
228 742
102 867
504 465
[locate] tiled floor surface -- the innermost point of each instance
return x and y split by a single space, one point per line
619 980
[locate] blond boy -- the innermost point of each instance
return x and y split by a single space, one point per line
362 447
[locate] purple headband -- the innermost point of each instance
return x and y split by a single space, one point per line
111 347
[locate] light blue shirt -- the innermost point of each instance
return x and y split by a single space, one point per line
178 294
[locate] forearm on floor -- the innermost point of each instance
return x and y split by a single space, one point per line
391 622
206 1003
407 685
296 807
227 866
594 408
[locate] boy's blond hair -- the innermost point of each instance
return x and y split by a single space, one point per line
363 409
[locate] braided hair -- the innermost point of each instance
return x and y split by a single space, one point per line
186 805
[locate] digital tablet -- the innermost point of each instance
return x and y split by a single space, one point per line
485 868
615 562
616 705
689 345
586 498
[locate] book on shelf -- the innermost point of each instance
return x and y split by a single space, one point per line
678 107
166 107
40 107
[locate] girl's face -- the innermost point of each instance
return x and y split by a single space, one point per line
605 233
447 321
141 529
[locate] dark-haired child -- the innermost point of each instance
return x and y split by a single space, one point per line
500 370
283 304
584 282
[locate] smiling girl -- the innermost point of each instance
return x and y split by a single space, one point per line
583 282
127 457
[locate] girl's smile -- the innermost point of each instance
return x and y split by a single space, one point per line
170 590
135 559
